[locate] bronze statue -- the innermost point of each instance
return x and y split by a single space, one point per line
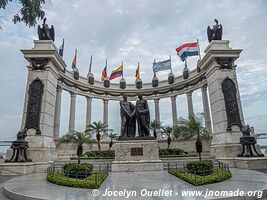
216 32
128 120
142 116
46 33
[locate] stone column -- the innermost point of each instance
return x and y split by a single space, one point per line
157 117
219 65
190 104
206 108
105 117
174 110
72 112
57 112
88 111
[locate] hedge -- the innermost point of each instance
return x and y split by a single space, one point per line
203 167
102 154
218 175
75 170
94 181
171 151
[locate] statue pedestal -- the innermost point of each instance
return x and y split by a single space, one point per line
136 155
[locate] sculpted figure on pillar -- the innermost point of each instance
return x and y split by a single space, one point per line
142 116
128 119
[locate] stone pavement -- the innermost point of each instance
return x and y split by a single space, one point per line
133 183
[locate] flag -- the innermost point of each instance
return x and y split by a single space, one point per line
104 73
137 72
90 66
73 66
187 49
116 72
162 65
61 49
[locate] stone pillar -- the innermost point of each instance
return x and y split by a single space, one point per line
57 112
88 111
157 117
72 112
206 108
190 104
105 117
219 64
174 110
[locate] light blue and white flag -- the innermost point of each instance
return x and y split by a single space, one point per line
61 49
162 65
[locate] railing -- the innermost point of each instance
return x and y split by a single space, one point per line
80 175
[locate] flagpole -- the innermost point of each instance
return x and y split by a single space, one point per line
171 62
198 49
90 65
122 69
106 67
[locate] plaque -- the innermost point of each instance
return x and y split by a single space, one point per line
35 93
136 151
231 105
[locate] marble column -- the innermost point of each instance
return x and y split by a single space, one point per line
88 112
105 117
72 112
57 112
190 104
157 117
206 108
174 110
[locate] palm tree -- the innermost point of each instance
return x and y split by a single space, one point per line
167 131
155 125
112 136
97 128
79 139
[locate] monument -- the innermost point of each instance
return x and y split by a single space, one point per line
136 153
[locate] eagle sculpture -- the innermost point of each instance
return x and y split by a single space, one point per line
215 33
46 33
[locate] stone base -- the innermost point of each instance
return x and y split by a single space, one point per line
225 150
245 162
137 166
136 155
23 168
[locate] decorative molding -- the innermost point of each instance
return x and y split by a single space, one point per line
231 105
35 93
225 63
39 63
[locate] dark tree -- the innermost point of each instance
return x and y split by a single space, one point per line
29 12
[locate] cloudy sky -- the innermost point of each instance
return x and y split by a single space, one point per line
132 31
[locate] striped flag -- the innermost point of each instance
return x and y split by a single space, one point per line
162 65
104 72
116 72
187 49
61 49
137 73
73 66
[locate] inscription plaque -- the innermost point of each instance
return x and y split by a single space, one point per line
231 105
35 93
136 151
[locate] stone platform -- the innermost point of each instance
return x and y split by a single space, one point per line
136 155
245 162
23 168
36 187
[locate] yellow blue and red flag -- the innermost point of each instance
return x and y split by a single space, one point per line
116 72
104 73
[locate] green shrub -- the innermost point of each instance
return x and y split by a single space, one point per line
75 170
203 167
218 175
171 151
102 154
94 181
180 155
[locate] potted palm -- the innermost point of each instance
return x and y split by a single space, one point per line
167 132
112 136
97 128
79 139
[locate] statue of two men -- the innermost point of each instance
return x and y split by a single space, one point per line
130 114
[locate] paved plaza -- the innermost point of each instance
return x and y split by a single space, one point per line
36 187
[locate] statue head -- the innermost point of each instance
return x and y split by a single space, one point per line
124 96
140 96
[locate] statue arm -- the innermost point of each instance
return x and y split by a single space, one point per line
124 110
209 33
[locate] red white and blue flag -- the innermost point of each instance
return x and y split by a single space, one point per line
187 49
